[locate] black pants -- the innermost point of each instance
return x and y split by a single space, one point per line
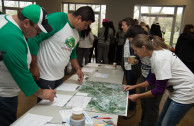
8 110
150 107
44 84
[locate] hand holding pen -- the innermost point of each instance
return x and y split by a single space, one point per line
52 89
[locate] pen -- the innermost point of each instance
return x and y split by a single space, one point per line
104 118
55 122
51 88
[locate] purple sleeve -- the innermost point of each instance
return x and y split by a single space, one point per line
160 87
151 79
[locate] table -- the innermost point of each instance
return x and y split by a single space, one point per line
115 76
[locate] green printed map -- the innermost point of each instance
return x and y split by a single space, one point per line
106 97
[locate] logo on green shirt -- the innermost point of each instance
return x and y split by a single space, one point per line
70 42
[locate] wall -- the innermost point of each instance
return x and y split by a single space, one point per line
119 9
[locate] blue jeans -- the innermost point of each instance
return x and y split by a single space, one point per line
172 113
131 80
44 84
8 110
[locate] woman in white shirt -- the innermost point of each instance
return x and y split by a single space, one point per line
167 72
85 44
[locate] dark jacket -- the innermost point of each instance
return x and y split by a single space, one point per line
136 69
185 47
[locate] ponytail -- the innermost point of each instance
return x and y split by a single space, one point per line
150 42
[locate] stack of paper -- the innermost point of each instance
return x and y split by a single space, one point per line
68 87
60 100
80 101
33 120
101 75
75 77
89 70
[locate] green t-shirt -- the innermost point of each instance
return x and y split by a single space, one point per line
14 69
55 49
57 21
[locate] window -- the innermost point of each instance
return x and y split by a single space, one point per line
12 7
99 10
169 17
1 5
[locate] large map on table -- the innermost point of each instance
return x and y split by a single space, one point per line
106 97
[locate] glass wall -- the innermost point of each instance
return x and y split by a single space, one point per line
12 7
169 18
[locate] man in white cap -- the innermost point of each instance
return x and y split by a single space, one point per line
14 69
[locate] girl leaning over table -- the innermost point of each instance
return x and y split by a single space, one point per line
167 72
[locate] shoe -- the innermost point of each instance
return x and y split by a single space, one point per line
130 114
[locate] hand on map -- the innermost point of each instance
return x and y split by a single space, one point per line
133 97
80 75
128 87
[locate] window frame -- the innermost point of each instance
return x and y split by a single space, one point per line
14 8
95 12
174 16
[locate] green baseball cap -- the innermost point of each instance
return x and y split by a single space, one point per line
37 15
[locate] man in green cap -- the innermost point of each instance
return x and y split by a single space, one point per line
54 50
14 69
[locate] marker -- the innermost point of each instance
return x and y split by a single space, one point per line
51 89
94 116
104 118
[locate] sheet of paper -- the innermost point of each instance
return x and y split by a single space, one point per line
33 120
75 77
80 101
55 125
66 114
101 75
68 87
108 66
89 70
81 94
93 64
60 100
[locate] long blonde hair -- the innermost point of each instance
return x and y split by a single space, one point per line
151 43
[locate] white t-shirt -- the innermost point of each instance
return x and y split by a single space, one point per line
166 65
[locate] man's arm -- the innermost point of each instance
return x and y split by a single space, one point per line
34 68
15 60
77 68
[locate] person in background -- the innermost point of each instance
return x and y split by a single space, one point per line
131 72
185 47
14 69
136 22
143 25
111 54
85 44
156 30
167 72
94 48
119 41
105 35
52 51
